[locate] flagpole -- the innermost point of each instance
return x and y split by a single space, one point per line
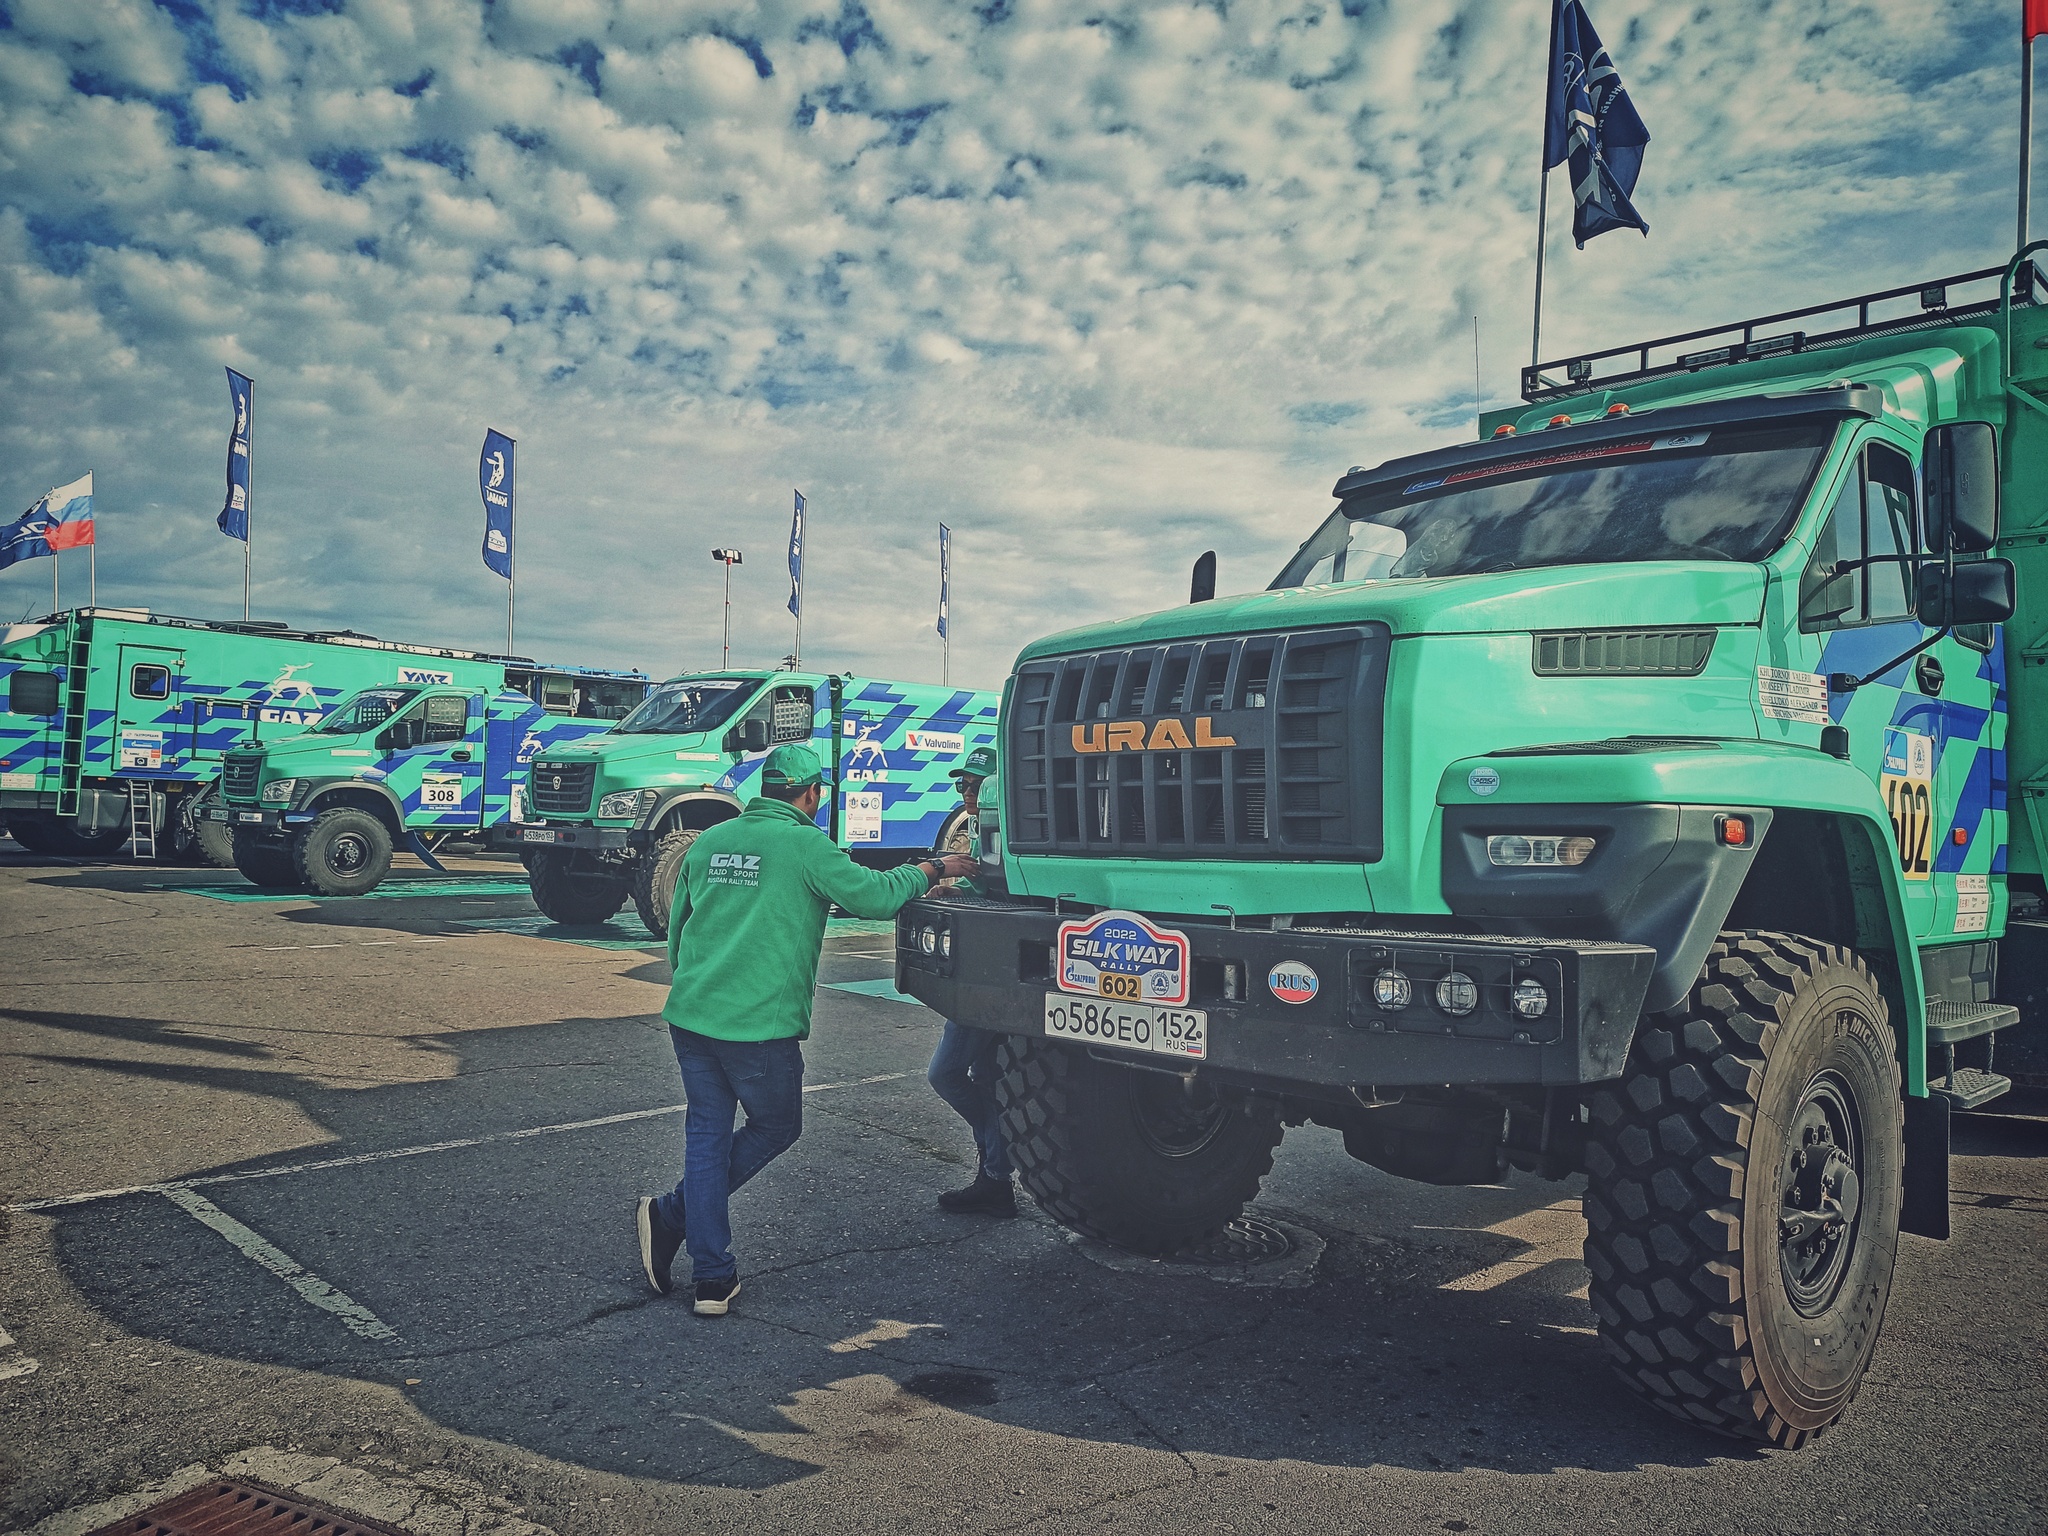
2026 116
92 572
249 504
1536 319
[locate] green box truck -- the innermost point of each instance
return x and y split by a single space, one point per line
1626 794
611 816
116 719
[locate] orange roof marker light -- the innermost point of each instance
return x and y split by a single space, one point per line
1560 420
1505 429
1619 408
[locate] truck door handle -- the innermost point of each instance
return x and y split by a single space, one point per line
460 754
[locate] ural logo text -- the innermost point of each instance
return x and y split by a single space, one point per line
1168 735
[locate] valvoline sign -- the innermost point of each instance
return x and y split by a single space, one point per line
1120 955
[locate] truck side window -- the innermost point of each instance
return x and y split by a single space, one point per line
792 717
149 682
32 693
557 695
447 718
1860 570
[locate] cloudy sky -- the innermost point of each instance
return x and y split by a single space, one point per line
1100 285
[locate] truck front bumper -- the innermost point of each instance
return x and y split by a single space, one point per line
512 836
995 968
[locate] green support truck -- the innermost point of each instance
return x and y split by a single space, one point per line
611 816
116 719
1630 793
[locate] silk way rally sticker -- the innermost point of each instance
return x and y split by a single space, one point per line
1120 955
1292 982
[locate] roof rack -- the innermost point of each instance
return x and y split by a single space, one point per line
1740 342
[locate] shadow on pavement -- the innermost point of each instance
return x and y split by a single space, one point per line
871 1326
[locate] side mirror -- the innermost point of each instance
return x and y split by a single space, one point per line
1202 586
1960 468
750 735
1981 592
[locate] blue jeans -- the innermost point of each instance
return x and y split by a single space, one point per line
963 1073
766 1077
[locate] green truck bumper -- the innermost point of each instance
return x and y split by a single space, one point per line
990 965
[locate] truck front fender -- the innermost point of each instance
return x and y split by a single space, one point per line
1677 896
372 797
698 808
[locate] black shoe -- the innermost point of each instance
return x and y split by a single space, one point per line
984 1197
658 1247
714 1297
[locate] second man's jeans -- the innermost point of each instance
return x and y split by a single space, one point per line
963 1073
764 1077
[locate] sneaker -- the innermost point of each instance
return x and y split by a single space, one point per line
984 1197
714 1297
658 1247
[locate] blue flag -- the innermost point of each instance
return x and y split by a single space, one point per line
494 478
945 576
234 512
1589 121
796 558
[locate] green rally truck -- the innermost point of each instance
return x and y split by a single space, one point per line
1630 793
612 816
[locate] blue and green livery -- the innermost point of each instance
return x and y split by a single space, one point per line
610 816
1630 793
117 720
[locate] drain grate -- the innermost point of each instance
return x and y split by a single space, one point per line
1248 1240
224 1507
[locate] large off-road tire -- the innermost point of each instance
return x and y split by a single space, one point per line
267 862
215 839
1742 1209
572 889
344 852
654 879
91 845
1132 1157
35 833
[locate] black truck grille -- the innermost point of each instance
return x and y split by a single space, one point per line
238 775
1254 747
563 789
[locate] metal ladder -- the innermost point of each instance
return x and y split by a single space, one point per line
141 819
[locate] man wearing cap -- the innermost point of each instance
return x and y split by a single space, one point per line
963 1069
743 943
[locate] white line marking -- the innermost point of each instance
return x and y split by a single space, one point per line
458 1144
356 1317
24 1365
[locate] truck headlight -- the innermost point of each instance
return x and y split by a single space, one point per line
1531 998
1538 850
1392 991
280 791
1457 994
624 803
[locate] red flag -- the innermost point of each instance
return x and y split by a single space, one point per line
2033 19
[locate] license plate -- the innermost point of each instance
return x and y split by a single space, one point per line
250 816
219 815
538 836
1182 1032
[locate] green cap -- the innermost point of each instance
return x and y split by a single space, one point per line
791 767
980 764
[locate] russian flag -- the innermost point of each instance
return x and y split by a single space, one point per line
69 510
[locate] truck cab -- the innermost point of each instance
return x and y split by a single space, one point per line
1623 794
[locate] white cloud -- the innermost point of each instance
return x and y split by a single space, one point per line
1100 288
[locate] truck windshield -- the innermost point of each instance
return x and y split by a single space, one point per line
365 712
687 706
1720 493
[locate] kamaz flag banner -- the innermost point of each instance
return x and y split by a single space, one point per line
494 478
234 512
1589 121
61 520
945 576
796 558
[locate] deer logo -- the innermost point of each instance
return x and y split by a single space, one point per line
286 686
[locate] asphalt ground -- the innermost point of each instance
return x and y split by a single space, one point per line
340 1193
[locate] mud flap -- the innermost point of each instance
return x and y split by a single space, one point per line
425 855
1925 1207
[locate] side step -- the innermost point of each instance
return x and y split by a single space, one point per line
1948 1025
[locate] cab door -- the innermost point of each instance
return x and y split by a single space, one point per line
151 735
434 760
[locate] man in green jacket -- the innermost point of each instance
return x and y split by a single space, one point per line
743 942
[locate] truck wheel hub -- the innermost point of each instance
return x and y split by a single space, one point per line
1820 1194
1175 1117
348 853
